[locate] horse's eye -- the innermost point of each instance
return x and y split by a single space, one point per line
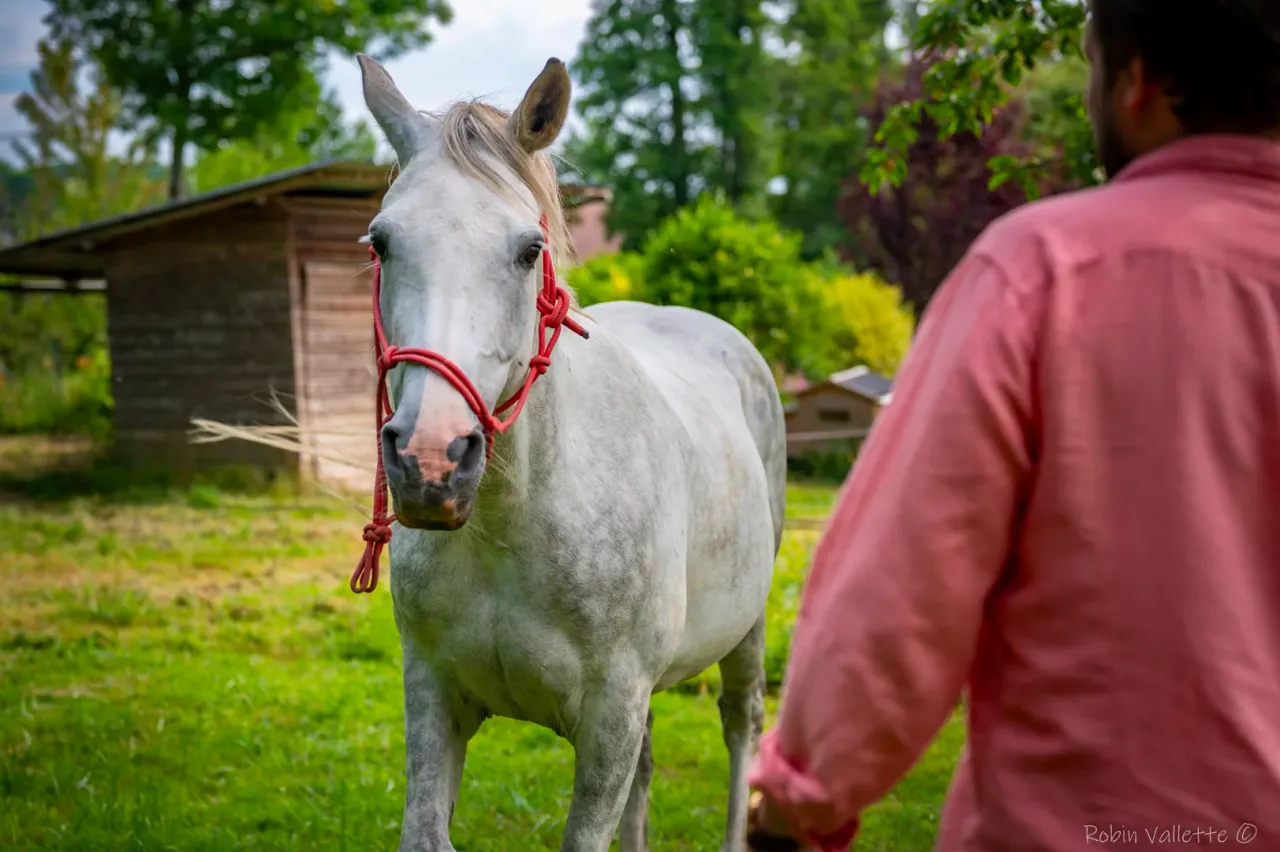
531 254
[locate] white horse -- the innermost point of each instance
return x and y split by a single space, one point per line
622 536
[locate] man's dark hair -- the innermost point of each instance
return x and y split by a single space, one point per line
1218 59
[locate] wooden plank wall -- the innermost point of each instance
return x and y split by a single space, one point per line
198 316
336 344
826 409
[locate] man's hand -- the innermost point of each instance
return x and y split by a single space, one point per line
767 831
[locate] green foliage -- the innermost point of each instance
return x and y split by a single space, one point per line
296 139
55 374
828 464
633 79
868 322
72 178
737 80
749 274
818 317
609 278
835 51
985 50
76 400
1056 118
206 72
50 331
678 98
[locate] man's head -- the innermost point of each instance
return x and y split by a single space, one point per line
1163 69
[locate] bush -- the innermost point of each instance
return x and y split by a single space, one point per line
868 322
828 465
77 402
748 273
609 278
815 317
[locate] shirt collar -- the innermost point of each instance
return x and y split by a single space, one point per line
1251 156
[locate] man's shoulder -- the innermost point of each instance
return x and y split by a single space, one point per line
1051 230
1076 228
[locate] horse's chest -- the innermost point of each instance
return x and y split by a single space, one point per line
505 653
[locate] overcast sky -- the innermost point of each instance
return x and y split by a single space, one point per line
492 49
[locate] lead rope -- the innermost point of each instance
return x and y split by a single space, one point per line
553 308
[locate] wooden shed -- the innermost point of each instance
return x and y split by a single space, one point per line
839 410
215 302
218 301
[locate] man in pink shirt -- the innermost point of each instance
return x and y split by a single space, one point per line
1070 512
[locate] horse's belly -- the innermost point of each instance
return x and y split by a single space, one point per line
728 575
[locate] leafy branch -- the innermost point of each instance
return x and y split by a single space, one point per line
979 51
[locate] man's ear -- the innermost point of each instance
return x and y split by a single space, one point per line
538 120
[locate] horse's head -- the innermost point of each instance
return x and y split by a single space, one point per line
460 244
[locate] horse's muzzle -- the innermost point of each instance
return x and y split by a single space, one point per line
436 493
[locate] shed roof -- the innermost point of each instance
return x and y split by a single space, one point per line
77 252
864 382
861 381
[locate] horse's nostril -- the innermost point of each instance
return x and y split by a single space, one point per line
391 443
467 452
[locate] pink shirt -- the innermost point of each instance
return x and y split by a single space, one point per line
1071 512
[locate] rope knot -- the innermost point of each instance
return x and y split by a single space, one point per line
555 311
377 533
540 364
387 359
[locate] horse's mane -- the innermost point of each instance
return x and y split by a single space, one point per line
476 135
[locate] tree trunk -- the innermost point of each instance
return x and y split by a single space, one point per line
737 141
176 166
679 152
182 129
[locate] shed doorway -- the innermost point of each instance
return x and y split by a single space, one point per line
339 373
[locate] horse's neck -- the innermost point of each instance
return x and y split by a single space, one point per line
526 454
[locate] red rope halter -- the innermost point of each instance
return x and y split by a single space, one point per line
553 308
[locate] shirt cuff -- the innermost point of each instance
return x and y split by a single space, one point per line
800 798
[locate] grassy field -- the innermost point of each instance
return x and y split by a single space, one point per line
184 668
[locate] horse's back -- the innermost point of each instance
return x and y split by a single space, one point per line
709 371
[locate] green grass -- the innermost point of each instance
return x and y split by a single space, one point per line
189 671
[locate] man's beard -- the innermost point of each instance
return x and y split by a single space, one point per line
1112 155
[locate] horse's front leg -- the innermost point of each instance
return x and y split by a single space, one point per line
606 741
437 726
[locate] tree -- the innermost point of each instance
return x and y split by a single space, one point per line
16 189
915 232
298 138
73 177
681 97
835 52
736 78
635 73
206 72
979 51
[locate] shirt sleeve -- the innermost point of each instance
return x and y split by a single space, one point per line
891 611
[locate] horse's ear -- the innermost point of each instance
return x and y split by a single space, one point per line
537 121
406 129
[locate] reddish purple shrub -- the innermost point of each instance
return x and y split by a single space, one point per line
915 234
